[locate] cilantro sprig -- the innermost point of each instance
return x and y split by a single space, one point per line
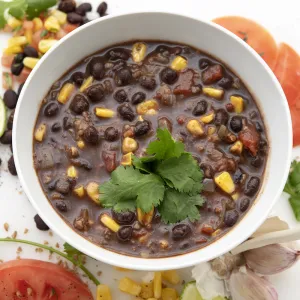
21 8
292 187
167 178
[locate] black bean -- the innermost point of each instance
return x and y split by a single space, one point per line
244 204
204 63
74 18
263 147
51 185
10 99
40 224
11 166
257 161
10 120
51 109
31 52
123 77
16 69
253 114
231 218
200 108
126 112
168 75
19 58
83 8
142 127
148 82
96 68
79 104
138 98
67 123
180 231
101 10
91 135
20 88
61 206
78 78
81 162
259 127
124 218
221 117
124 234
184 245
62 186
165 123
6 138
238 176
207 170
95 92
111 134
252 186
225 83
118 53
56 127
236 124
121 96
67 6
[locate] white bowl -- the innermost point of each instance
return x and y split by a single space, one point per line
205 36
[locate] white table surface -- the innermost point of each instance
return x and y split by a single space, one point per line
282 18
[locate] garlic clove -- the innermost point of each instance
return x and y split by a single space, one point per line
245 284
271 259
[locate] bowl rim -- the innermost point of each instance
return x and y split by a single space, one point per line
122 260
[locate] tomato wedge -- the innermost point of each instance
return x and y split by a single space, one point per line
253 34
37 280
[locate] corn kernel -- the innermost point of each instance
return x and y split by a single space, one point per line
140 118
51 24
235 196
195 128
144 107
129 145
109 222
138 52
147 290
238 103
129 286
30 62
225 182
73 152
169 294
13 22
45 45
145 218
208 118
216 232
13 50
86 83
163 244
157 285
72 172
211 130
79 191
103 292
28 35
60 16
127 159
92 189
212 92
179 63
237 148
171 276
104 112
65 93
17 41
37 24
122 269
40 132
151 112
81 144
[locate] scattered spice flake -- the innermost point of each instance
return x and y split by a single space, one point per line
18 257
245 35
50 233
1 261
99 273
26 230
57 245
6 226
46 243
261 54
39 250
14 235
50 256
19 250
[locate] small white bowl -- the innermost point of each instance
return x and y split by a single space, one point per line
206 36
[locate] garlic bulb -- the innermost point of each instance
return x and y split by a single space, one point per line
245 284
271 259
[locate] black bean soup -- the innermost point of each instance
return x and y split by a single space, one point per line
111 104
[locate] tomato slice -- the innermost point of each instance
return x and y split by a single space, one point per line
253 34
37 280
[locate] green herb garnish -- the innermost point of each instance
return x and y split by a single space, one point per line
167 178
70 253
292 187
44 33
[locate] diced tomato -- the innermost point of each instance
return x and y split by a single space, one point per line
60 34
7 59
36 38
24 74
27 24
253 34
185 83
70 27
37 280
250 138
7 80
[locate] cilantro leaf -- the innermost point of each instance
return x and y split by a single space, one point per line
178 206
140 164
165 146
182 173
36 7
295 204
128 184
15 8
71 251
